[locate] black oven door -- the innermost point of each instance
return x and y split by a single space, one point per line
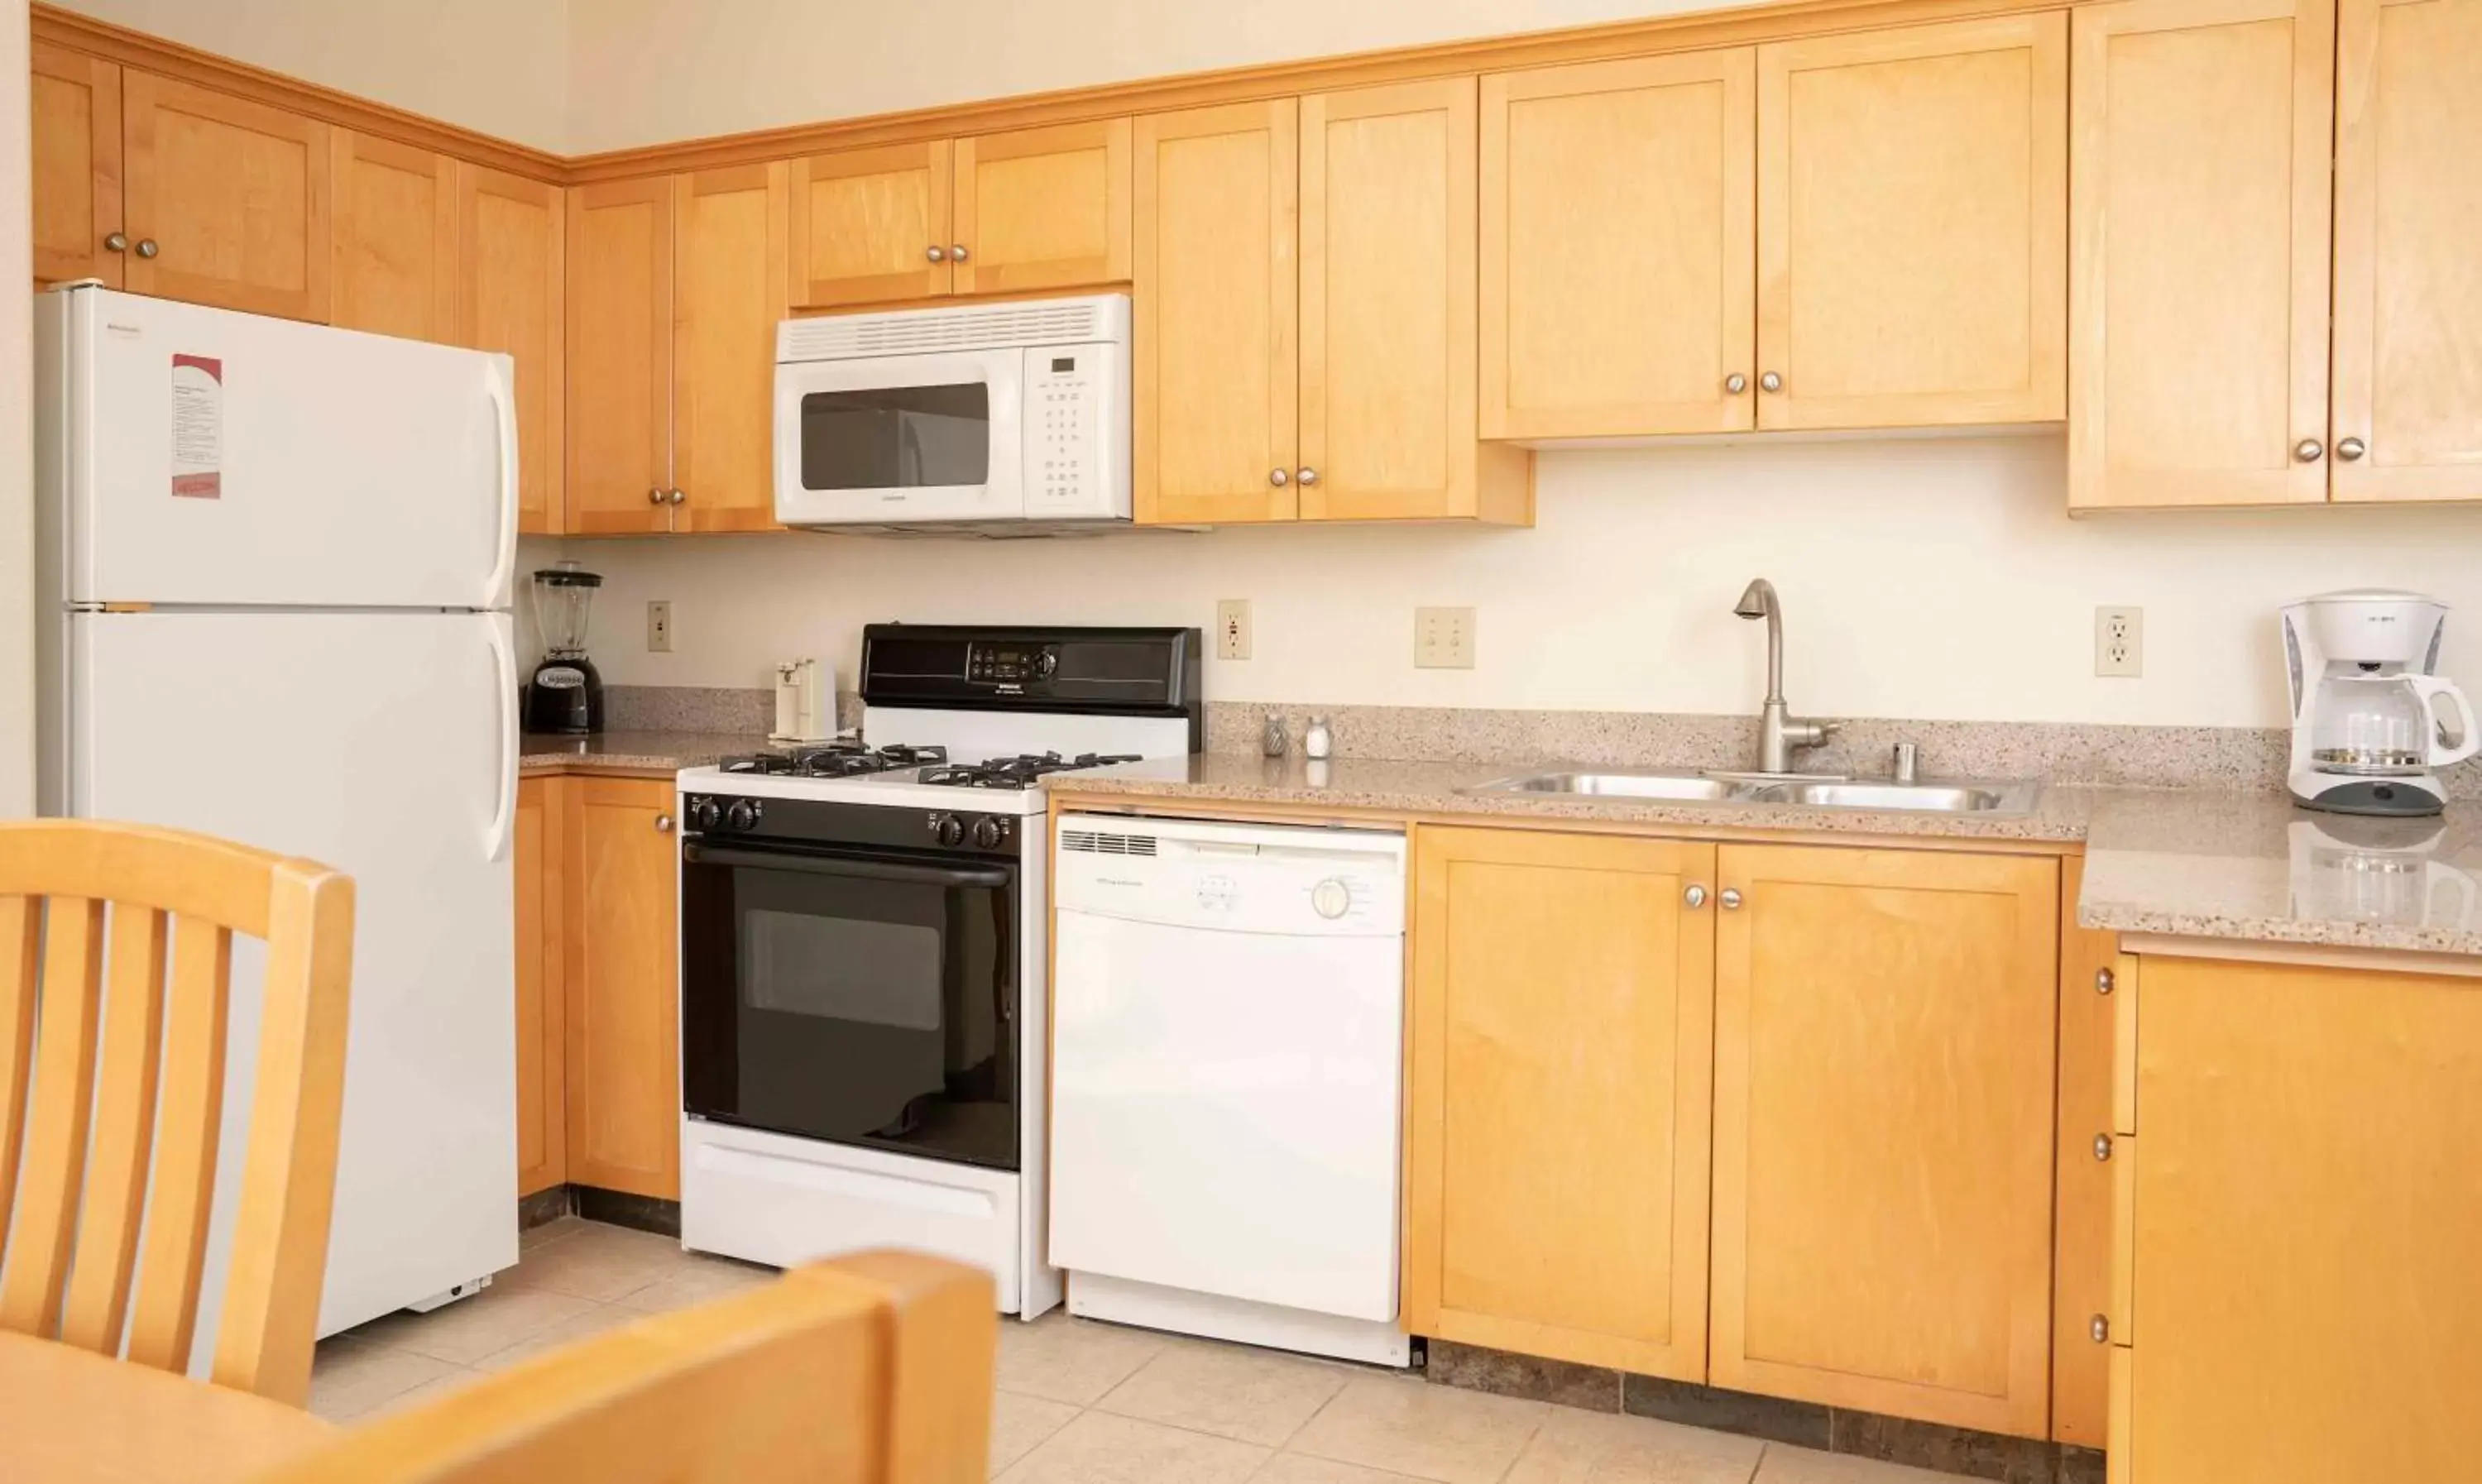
855 996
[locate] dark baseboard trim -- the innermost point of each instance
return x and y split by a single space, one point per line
542 1208
620 1208
1958 1450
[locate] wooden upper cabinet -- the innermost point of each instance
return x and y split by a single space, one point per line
2199 277
76 119
1561 1020
540 860
619 393
1912 205
1883 1042
870 226
395 239
2408 231
511 233
1042 208
1388 232
729 293
1214 398
231 196
621 983
1618 247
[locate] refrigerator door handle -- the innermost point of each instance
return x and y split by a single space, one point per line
504 408
504 685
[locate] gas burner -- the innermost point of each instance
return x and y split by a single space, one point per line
836 759
1018 772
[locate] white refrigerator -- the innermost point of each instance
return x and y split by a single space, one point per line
273 571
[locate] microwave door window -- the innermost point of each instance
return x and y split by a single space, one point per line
897 438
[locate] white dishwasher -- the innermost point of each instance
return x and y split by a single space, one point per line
1227 1046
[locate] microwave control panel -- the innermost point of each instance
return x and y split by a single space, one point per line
1068 393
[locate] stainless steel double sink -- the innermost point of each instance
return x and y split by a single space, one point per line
1928 797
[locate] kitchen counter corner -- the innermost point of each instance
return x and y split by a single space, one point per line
631 752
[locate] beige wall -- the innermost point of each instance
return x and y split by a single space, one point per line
496 66
17 448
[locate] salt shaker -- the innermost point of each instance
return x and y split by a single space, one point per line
1318 742
1273 741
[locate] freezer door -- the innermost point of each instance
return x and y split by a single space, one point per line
378 744
217 457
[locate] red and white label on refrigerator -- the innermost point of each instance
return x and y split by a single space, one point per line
198 427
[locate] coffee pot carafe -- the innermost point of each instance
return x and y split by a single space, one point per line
2371 721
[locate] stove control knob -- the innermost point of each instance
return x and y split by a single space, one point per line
990 833
741 813
703 813
1331 898
947 828
1045 662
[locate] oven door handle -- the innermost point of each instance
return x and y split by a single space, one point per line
845 865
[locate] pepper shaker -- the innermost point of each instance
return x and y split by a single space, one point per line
1274 741
1319 741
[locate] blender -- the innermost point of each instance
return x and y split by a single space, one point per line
564 696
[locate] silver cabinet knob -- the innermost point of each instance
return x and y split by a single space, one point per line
2099 1328
146 247
1694 896
957 254
678 497
117 242
1279 478
2105 980
937 255
654 497
2102 1145
1770 381
2309 450
1308 476
663 824
2350 449
1731 899
1737 383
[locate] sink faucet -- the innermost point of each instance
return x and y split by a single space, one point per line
1778 733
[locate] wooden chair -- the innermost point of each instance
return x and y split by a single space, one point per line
111 1093
869 1369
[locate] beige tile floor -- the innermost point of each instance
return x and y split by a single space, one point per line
1080 1402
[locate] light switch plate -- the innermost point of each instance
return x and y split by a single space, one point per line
659 626
1233 629
2120 643
1443 638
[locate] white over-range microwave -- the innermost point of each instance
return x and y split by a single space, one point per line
995 414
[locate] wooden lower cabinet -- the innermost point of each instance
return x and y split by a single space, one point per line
2304 1286
1883 1055
543 811
621 985
1562 1009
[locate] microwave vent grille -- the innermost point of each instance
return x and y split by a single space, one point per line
988 327
1095 842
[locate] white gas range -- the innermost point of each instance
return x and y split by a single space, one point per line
863 949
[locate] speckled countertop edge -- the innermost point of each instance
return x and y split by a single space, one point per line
632 751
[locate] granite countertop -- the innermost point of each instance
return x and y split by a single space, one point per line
2184 862
632 752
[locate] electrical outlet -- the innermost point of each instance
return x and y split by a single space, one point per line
1443 638
1233 629
2120 641
659 626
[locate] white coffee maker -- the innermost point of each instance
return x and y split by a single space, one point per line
2368 728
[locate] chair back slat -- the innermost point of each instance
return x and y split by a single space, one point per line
182 1196
53 1166
107 1208
124 1125
21 941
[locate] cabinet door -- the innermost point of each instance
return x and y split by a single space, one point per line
395 239
2197 271
231 194
1883 1131
1912 225
620 411
2305 1205
1215 315
1042 208
538 859
729 277
1562 1021
2082 1184
870 226
509 236
1618 247
1389 233
623 985
76 121
2408 223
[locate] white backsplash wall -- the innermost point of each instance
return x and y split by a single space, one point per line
1933 578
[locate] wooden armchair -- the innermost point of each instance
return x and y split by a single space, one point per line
869 1369
111 1093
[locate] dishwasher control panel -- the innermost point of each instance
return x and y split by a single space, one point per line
1294 880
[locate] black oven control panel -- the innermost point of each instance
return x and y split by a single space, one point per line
739 820
1006 663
